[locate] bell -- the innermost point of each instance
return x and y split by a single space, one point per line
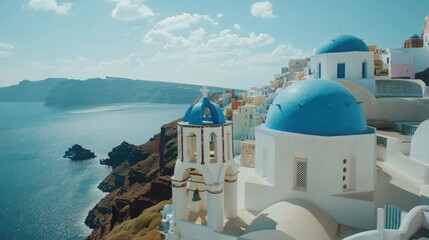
196 197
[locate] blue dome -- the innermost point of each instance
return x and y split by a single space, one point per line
198 115
414 36
342 43
317 107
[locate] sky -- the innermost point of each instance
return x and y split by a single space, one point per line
227 43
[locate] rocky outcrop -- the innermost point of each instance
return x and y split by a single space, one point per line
136 182
77 153
125 152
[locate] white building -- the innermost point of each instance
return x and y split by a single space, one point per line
345 57
319 171
315 145
315 166
205 176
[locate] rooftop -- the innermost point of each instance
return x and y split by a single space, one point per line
342 43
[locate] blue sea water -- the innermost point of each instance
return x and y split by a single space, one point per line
44 196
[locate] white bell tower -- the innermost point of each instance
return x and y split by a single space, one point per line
205 175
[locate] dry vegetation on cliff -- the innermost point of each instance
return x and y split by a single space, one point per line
145 226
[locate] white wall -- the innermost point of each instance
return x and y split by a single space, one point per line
387 109
413 221
419 56
352 60
275 176
396 158
419 144
242 121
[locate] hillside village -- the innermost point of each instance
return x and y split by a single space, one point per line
334 147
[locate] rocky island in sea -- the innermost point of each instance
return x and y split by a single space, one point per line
78 153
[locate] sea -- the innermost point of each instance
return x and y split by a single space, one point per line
45 196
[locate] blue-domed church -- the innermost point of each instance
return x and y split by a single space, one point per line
315 146
345 57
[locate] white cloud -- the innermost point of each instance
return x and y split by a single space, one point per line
130 10
156 34
227 39
194 39
220 15
80 67
5 54
5 45
50 5
184 20
237 26
262 9
5 50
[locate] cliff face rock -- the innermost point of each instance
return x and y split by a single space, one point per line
124 152
29 91
120 90
136 182
77 153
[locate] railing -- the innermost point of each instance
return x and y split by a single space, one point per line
381 141
408 129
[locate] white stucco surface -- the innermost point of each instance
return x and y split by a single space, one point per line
420 143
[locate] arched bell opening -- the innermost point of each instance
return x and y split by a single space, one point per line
213 148
196 197
192 144
207 117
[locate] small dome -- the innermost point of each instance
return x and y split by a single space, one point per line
414 36
204 112
317 107
342 43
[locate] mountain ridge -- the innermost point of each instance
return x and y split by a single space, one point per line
64 92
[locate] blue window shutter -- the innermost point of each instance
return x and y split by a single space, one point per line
363 69
341 70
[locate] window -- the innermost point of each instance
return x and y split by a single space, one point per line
301 174
363 69
341 70
388 60
319 72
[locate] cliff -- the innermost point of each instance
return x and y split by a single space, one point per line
29 91
63 92
118 90
135 186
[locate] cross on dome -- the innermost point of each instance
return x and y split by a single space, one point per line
204 90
